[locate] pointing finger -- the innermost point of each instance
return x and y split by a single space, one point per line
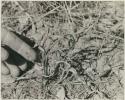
15 43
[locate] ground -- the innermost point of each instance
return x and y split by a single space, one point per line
79 46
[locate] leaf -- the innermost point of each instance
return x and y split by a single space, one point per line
106 95
73 71
106 73
90 95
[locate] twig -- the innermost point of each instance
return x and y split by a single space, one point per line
47 13
28 15
25 78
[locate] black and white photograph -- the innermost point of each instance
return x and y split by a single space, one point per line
62 50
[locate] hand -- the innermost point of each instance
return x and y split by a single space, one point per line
10 71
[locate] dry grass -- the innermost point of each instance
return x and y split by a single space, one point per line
81 48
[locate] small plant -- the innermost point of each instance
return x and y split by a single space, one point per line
79 45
